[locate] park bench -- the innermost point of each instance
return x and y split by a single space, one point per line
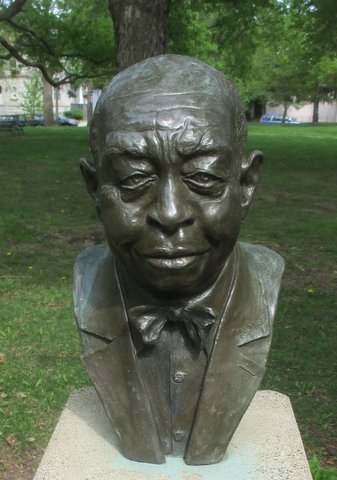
13 123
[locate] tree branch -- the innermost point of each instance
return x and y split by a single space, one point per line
29 63
47 48
68 77
29 32
10 12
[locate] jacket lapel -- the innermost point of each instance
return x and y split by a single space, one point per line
237 362
110 359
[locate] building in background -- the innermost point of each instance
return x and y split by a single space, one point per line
327 112
13 85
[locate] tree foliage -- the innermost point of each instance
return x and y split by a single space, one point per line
72 40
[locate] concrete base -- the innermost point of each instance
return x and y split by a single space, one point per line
266 446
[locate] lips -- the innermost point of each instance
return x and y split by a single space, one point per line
171 259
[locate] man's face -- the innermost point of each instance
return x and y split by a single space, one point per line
170 195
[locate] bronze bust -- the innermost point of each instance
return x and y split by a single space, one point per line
175 315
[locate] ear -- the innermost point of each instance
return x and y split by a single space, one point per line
90 177
250 173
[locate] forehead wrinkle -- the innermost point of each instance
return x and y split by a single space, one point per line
193 141
161 141
189 151
133 115
161 94
190 136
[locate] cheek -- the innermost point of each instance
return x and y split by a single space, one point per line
122 222
222 219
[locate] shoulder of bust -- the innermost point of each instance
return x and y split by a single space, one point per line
265 261
259 274
91 258
94 283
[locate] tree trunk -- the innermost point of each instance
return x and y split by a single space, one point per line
47 103
140 29
315 113
285 111
89 104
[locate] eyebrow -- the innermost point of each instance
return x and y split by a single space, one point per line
189 150
119 143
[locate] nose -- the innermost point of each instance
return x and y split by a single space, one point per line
171 210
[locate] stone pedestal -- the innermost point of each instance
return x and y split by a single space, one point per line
266 446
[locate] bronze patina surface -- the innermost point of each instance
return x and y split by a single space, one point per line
175 314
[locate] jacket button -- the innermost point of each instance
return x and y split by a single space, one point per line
178 377
178 435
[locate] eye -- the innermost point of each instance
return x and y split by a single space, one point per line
202 181
137 181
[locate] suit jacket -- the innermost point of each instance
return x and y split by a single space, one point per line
235 367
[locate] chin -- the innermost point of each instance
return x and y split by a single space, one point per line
173 292
175 285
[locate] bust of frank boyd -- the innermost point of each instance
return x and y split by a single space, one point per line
174 314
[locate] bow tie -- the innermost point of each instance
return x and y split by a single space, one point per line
149 322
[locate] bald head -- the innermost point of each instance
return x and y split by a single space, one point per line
167 91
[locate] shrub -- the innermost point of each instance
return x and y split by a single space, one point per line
77 114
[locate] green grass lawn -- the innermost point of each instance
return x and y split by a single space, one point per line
47 219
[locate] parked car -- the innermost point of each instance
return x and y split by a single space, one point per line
38 119
62 120
17 120
277 118
14 123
